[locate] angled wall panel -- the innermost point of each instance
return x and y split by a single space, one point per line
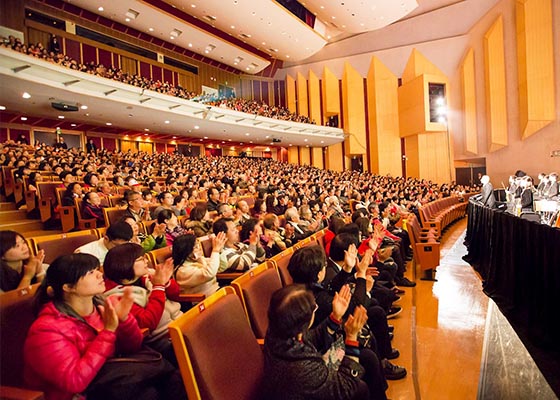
301 88
468 94
495 74
535 56
314 98
353 111
291 94
383 115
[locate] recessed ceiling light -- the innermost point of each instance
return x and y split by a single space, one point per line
84 107
108 123
253 13
205 137
146 129
73 125
322 141
100 9
166 122
61 117
23 118
172 37
26 95
174 137
305 140
146 134
223 142
287 56
233 27
193 5
151 29
190 44
196 127
247 134
127 19
2 108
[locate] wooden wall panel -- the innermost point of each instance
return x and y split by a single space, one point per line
383 115
291 94
353 108
535 57
301 89
495 74
468 96
129 65
317 157
417 65
293 155
146 147
314 98
334 157
168 76
304 156
412 116
330 94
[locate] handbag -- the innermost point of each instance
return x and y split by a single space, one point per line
123 378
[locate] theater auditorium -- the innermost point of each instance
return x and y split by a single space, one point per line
233 199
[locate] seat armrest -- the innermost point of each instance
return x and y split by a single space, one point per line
14 393
192 298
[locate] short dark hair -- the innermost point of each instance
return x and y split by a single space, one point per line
247 228
290 311
340 244
220 225
119 261
119 230
164 215
306 263
66 269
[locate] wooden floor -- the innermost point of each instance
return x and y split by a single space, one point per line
441 329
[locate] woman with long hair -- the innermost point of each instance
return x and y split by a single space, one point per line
18 267
155 292
193 272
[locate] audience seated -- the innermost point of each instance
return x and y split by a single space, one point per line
236 256
116 234
153 295
18 267
193 272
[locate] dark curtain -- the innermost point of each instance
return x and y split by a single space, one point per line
519 262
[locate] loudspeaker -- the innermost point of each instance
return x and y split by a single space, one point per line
64 107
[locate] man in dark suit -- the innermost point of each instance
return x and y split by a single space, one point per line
487 195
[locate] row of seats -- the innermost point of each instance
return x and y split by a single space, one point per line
425 247
234 320
232 325
441 213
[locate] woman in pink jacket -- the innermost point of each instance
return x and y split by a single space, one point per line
73 337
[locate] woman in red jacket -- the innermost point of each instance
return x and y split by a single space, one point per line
153 292
73 337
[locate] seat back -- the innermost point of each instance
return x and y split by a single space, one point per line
83 223
112 215
159 256
16 316
206 243
62 243
218 355
281 262
255 288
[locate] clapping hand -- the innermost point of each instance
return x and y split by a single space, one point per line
340 302
219 241
163 273
355 323
159 229
350 258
